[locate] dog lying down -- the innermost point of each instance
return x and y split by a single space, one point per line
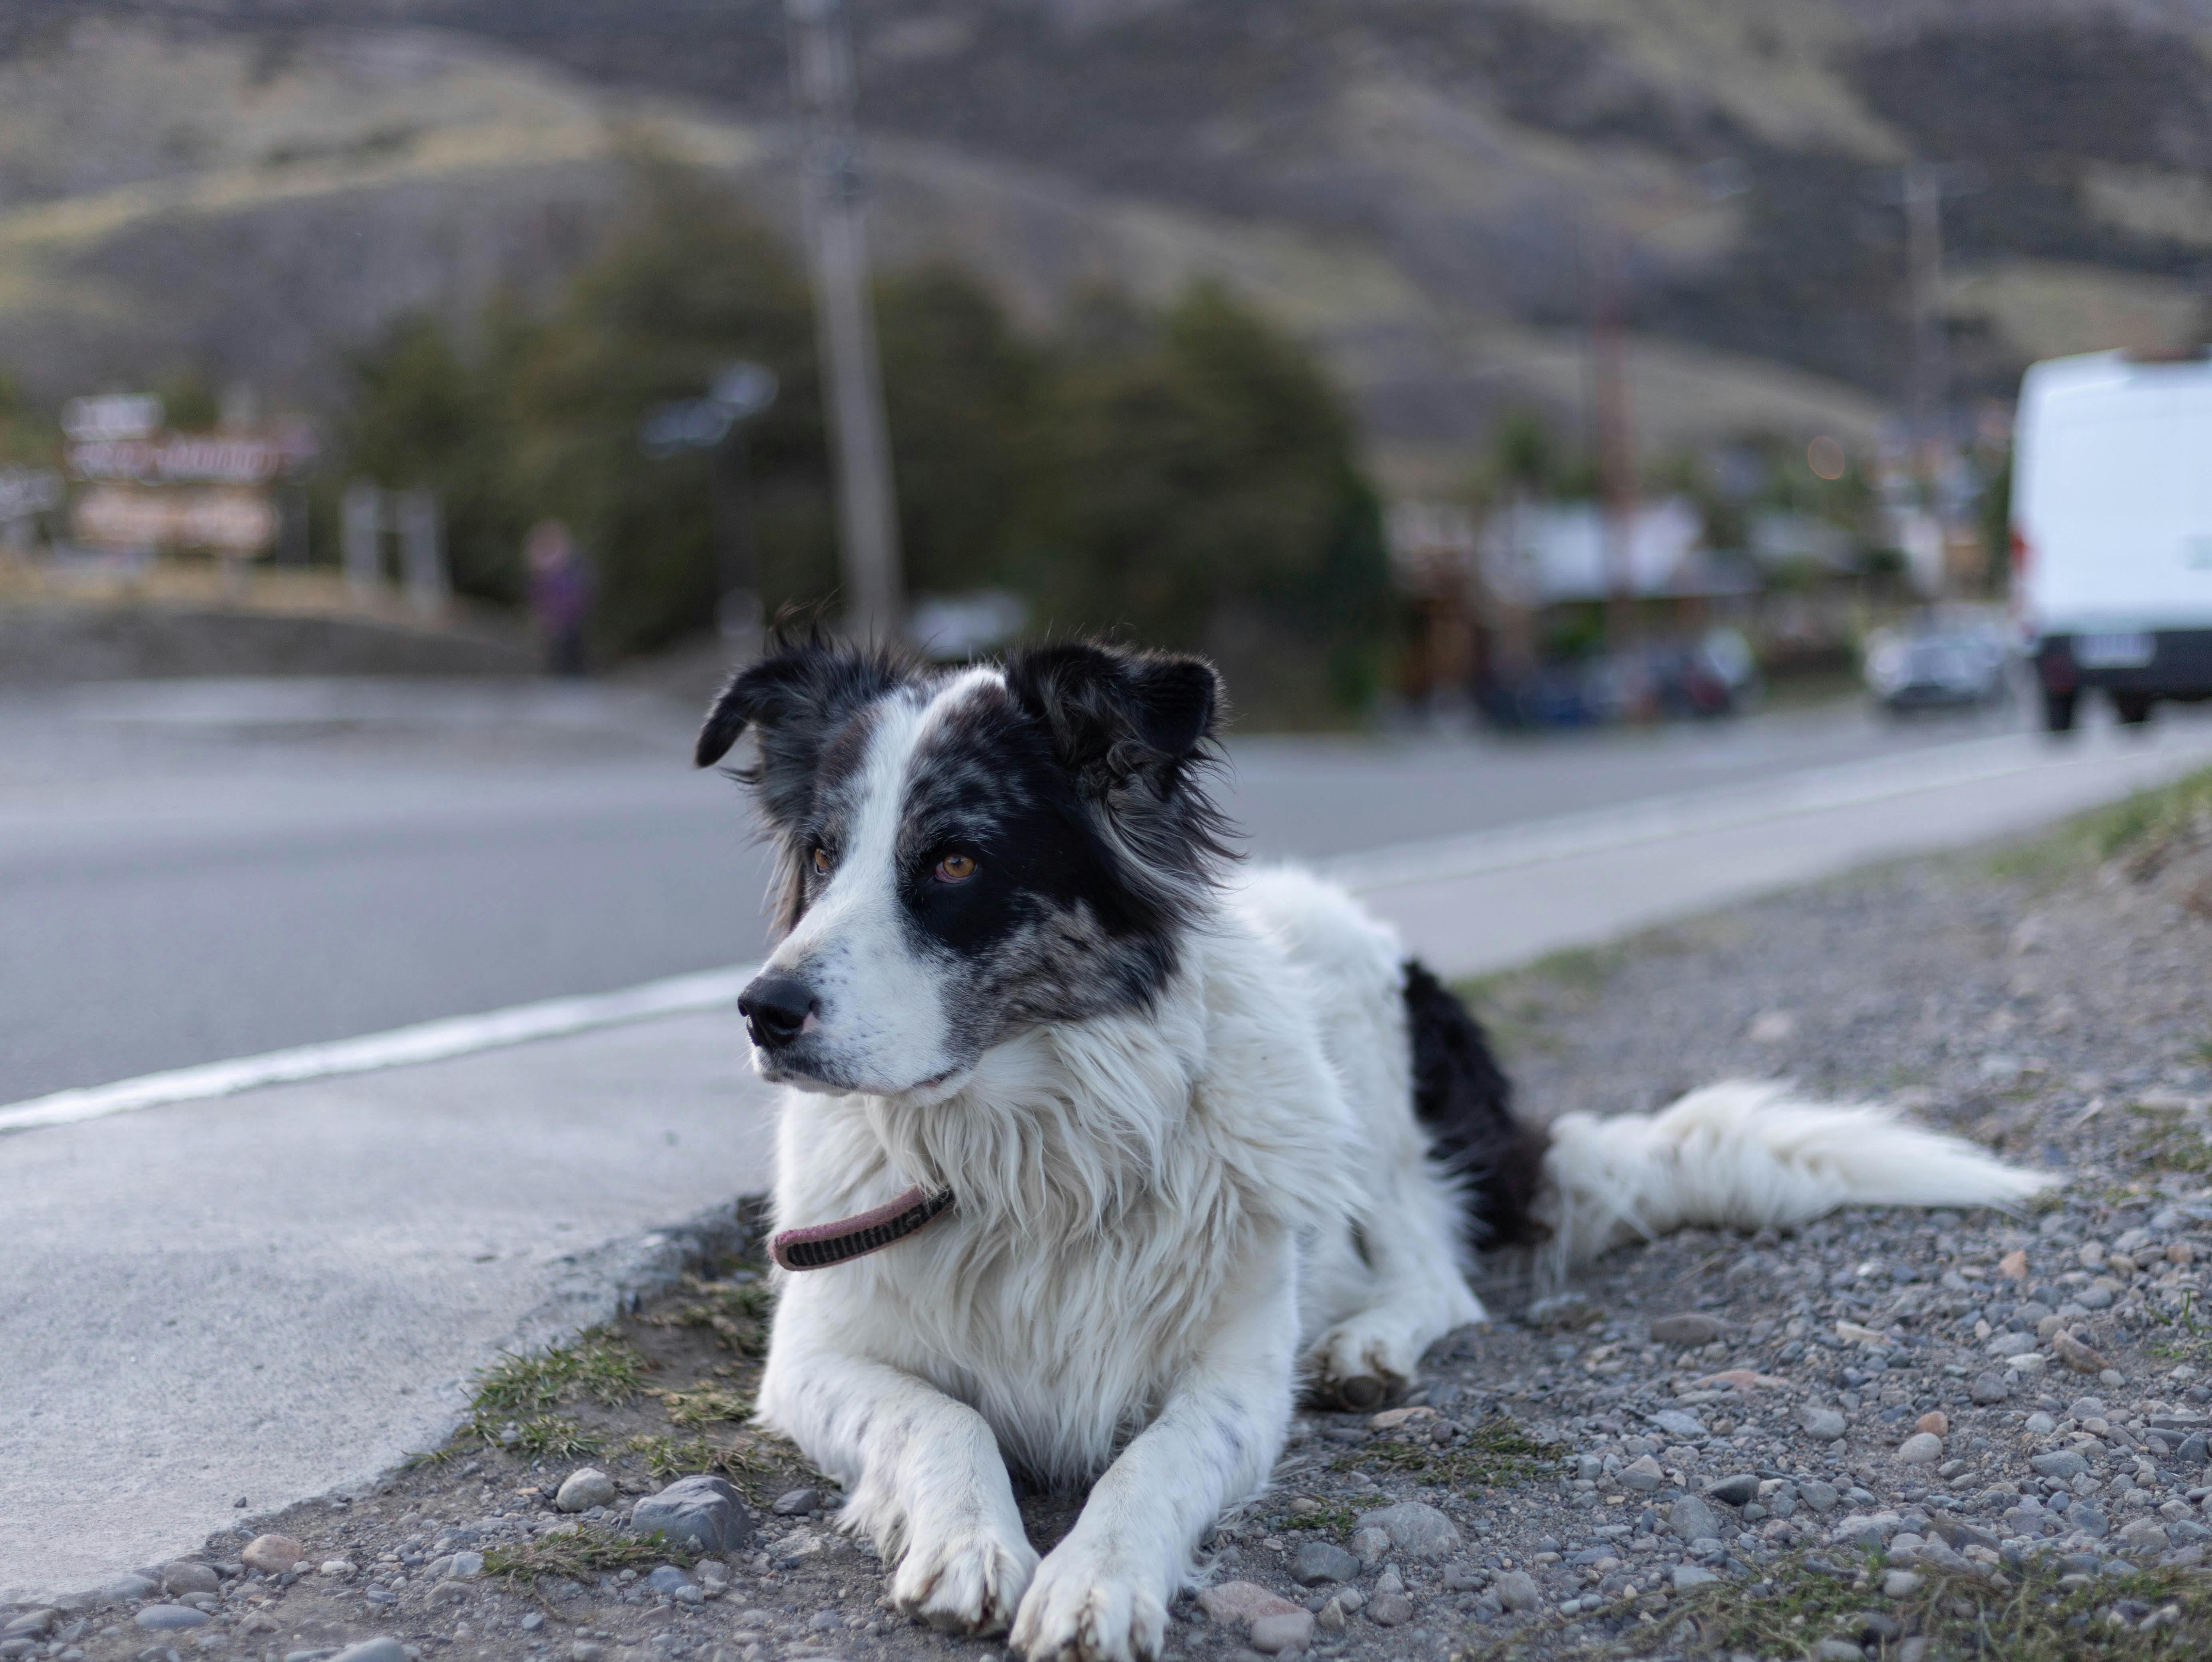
1095 1156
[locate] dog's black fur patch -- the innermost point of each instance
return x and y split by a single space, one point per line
1464 1099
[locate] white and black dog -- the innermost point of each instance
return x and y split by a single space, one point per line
1095 1156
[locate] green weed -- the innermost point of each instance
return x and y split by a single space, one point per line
584 1552
2152 1614
736 1312
597 1364
1495 1454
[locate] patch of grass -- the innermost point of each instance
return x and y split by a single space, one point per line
1495 1454
2186 1337
2141 828
596 1365
1573 969
707 1405
2170 1144
736 1312
747 1464
541 1436
585 1552
2164 1614
1330 1517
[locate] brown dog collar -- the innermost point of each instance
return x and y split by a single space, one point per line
822 1244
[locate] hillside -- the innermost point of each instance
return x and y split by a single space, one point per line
255 185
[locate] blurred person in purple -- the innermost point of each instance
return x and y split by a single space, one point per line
559 594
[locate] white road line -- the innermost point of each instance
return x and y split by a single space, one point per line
426 1041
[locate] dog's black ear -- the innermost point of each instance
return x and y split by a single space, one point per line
1114 715
795 698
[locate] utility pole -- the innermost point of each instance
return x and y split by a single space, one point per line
1616 442
1919 188
867 520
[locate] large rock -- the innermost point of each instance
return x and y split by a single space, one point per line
1415 1528
702 1513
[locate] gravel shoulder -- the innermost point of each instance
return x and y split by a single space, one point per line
1879 1435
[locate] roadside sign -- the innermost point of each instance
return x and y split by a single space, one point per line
112 415
229 521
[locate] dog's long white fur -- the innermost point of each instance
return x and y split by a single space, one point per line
1163 1218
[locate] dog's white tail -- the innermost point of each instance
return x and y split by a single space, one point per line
1745 1155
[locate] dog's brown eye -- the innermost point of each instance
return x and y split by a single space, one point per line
822 862
955 868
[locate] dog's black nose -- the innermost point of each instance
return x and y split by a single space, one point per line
776 1007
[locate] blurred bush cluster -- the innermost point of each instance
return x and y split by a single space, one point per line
1185 475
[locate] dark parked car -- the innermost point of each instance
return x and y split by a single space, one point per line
1939 660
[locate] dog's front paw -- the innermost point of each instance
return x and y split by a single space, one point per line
967 1580
1362 1364
1085 1607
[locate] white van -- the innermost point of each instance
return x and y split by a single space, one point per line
2112 529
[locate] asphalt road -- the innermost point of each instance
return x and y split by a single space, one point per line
197 870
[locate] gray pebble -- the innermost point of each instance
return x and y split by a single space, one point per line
1643 1475
584 1488
666 1577
797 1503
702 1513
164 1619
1990 1385
1415 1527
1387 1610
382 1648
1691 1327
1694 1520
1822 1425
1370 1545
1741 1490
2064 1463
1517 1590
1676 1423
1316 1561
825 1621
1821 1496
1692 1575
186 1576
466 1566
